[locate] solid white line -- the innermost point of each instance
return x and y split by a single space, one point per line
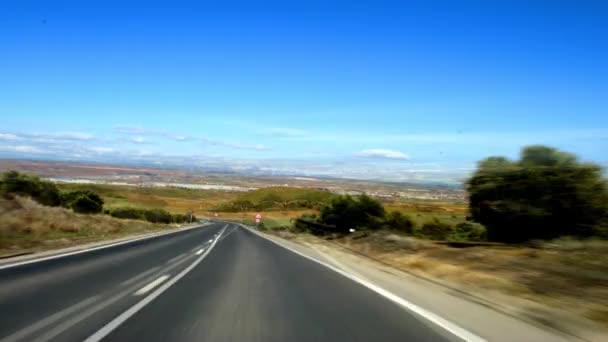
116 322
21 334
138 277
152 285
96 248
68 323
440 321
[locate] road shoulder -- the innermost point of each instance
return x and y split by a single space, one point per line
468 311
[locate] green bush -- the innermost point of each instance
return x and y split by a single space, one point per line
467 231
436 230
158 216
150 215
87 204
395 220
544 195
346 212
127 213
43 192
82 201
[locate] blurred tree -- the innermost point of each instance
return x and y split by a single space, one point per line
546 194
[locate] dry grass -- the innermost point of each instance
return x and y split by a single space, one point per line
28 226
174 200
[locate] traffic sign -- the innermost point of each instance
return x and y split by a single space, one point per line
257 220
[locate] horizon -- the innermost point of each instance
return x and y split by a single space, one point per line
406 93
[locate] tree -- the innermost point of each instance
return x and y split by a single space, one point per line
546 194
346 212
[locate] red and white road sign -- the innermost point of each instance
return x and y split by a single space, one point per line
257 220
258 216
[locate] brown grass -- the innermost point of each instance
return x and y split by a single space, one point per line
28 226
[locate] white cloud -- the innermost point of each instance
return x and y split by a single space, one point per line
8 136
138 140
235 145
383 154
72 136
139 131
28 149
100 149
21 149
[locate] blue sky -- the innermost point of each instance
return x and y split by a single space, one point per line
388 90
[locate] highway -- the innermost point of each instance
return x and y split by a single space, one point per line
218 282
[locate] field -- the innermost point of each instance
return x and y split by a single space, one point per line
174 200
203 202
422 211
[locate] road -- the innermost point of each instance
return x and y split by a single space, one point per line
219 282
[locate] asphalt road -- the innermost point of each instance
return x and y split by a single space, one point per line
220 282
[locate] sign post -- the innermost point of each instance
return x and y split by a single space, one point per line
258 220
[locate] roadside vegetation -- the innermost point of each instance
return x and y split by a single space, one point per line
547 194
277 198
28 226
533 237
79 200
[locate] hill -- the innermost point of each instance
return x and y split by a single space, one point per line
277 198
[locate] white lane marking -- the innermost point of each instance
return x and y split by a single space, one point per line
116 322
152 285
21 334
200 251
66 324
96 248
138 277
176 258
439 321
210 241
226 235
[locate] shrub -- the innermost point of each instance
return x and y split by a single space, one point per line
87 204
127 213
157 216
436 230
43 192
395 220
346 212
467 231
544 195
82 201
